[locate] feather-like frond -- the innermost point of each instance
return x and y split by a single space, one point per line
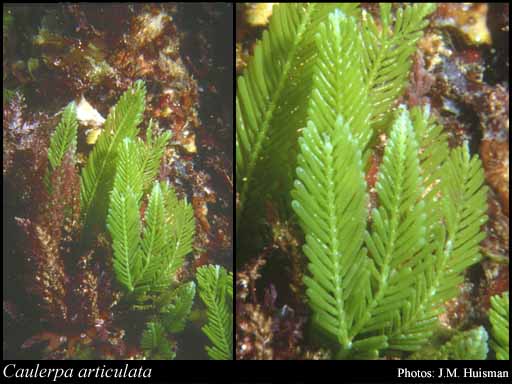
398 228
453 246
338 84
214 282
153 242
123 220
330 187
179 231
499 316
62 141
464 207
98 174
387 53
124 226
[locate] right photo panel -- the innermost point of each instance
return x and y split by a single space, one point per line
372 181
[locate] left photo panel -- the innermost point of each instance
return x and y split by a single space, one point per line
118 181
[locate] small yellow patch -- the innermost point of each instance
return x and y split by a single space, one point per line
92 135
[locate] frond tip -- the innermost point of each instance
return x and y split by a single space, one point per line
152 152
339 88
387 53
330 186
216 291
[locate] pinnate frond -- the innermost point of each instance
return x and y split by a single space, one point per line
124 226
179 231
98 174
397 230
153 242
464 206
454 245
338 84
63 140
214 282
330 187
123 221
